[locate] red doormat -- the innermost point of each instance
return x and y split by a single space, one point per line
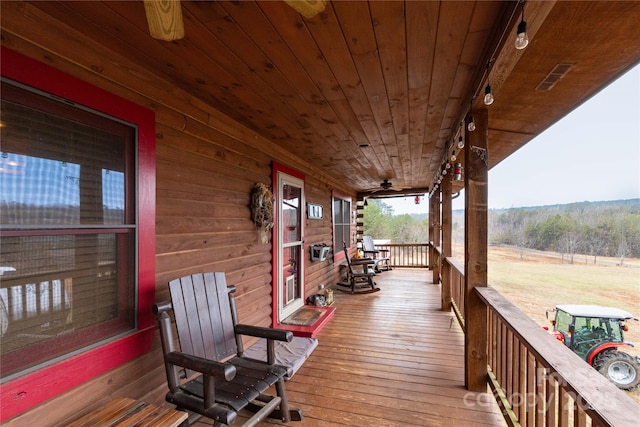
305 316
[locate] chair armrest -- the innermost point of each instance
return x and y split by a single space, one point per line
375 251
200 364
384 251
262 332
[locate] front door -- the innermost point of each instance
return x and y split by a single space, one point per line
289 235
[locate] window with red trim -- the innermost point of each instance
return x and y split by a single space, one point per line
77 223
67 212
341 223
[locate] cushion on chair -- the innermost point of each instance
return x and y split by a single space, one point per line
289 354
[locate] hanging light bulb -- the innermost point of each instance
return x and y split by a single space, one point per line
488 96
447 166
453 156
471 126
460 143
522 40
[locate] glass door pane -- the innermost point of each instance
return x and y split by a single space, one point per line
290 278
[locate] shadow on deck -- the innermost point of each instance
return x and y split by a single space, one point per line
390 358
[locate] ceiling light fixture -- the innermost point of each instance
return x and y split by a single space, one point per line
522 40
471 126
488 95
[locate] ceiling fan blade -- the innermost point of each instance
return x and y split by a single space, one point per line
307 8
165 19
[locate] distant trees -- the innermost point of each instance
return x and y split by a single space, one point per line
609 229
381 223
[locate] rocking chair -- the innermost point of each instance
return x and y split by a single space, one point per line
209 332
380 256
359 274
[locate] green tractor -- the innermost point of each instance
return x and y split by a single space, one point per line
595 333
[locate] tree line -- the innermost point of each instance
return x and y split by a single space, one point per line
610 229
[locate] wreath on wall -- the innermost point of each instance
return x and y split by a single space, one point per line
262 209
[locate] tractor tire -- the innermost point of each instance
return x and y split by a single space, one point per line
620 368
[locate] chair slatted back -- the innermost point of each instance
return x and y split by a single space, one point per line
203 315
367 244
348 259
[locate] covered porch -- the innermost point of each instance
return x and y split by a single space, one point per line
364 99
390 358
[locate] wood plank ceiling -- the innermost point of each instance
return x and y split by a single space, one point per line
367 91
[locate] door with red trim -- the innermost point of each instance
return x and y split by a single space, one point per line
289 245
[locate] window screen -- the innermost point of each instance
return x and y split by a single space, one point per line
67 250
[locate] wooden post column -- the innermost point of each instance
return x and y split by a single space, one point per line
475 241
436 221
432 212
445 291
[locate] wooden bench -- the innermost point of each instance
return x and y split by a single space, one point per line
126 412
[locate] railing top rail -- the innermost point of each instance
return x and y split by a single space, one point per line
604 400
456 264
406 245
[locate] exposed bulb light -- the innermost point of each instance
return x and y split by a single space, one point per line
447 166
471 126
460 143
488 96
522 40
453 156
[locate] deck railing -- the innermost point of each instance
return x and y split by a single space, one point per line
415 255
536 380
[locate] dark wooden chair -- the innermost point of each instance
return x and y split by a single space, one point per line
360 274
220 381
380 256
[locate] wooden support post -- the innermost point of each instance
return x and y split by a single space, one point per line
445 291
475 267
437 226
432 212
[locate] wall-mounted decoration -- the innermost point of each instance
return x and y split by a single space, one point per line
319 252
262 209
314 211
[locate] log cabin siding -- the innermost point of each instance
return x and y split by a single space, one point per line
206 167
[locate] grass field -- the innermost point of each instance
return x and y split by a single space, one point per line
536 281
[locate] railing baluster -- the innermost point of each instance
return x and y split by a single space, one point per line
531 390
565 407
522 382
551 387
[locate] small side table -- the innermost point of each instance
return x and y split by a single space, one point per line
126 412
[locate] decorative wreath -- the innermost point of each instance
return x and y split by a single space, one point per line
262 206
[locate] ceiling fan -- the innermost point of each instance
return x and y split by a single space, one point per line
386 185
164 17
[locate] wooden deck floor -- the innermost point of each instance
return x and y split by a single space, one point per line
390 358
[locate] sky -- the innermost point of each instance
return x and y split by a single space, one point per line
592 154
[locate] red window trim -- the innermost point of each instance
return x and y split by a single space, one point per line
25 392
339 255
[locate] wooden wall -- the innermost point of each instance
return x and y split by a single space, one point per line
206 167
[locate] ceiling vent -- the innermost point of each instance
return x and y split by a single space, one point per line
558 72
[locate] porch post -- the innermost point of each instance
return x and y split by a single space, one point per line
432 220
445 291
475 241
436 235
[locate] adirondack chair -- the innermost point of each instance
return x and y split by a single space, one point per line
360 274
380 256
211 348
